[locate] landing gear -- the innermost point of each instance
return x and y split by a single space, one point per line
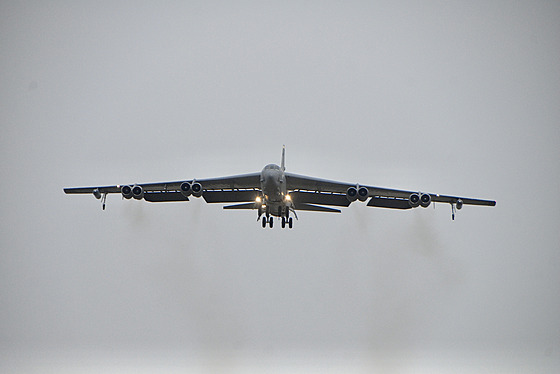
104 200
269 221
283 215
453 211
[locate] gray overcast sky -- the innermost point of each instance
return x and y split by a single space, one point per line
446 97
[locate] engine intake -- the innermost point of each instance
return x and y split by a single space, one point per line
137 192
425 200
126 191
352 194
363 193
414 200
196 189
186 189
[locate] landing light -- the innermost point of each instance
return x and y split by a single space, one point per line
258 199
288 197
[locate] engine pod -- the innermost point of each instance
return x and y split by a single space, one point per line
414 200
352 194
425 200
126 191
196 189
137 192
186 189
363 193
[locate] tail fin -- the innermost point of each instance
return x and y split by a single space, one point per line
283 157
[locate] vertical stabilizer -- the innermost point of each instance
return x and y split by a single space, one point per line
283 157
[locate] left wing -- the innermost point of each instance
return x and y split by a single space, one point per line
326 190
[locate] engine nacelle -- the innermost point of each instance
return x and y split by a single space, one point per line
363 193
196 189
126 192
459 204
425 200
414 200
186 189
352 194
137 192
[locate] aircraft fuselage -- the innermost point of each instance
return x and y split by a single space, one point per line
274 191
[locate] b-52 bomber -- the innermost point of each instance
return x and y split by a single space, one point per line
275 193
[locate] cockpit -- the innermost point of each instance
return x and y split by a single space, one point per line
272 167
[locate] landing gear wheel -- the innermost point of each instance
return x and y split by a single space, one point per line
283 222
290 222
264 222
270 222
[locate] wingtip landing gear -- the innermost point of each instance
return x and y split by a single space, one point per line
453 211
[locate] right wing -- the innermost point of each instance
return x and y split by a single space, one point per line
235 188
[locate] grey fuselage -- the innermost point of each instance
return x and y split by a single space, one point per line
274 191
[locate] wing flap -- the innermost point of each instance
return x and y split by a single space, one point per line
391 203
302 197
229 196
156 197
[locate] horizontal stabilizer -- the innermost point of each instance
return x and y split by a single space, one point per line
316 208
241 206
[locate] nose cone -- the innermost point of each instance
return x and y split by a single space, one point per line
270 181
271 178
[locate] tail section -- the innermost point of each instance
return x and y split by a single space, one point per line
283 165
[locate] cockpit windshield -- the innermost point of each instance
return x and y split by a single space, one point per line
272 166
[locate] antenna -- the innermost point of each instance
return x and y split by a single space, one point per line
283 157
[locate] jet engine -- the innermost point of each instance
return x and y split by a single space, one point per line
137 192
414 200
352 194
126 192
459 204
196 189
363 193
186 189
425 200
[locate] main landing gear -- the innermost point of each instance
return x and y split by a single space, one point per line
270 222
288 221
267 220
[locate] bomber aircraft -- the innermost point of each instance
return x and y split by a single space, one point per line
275 193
